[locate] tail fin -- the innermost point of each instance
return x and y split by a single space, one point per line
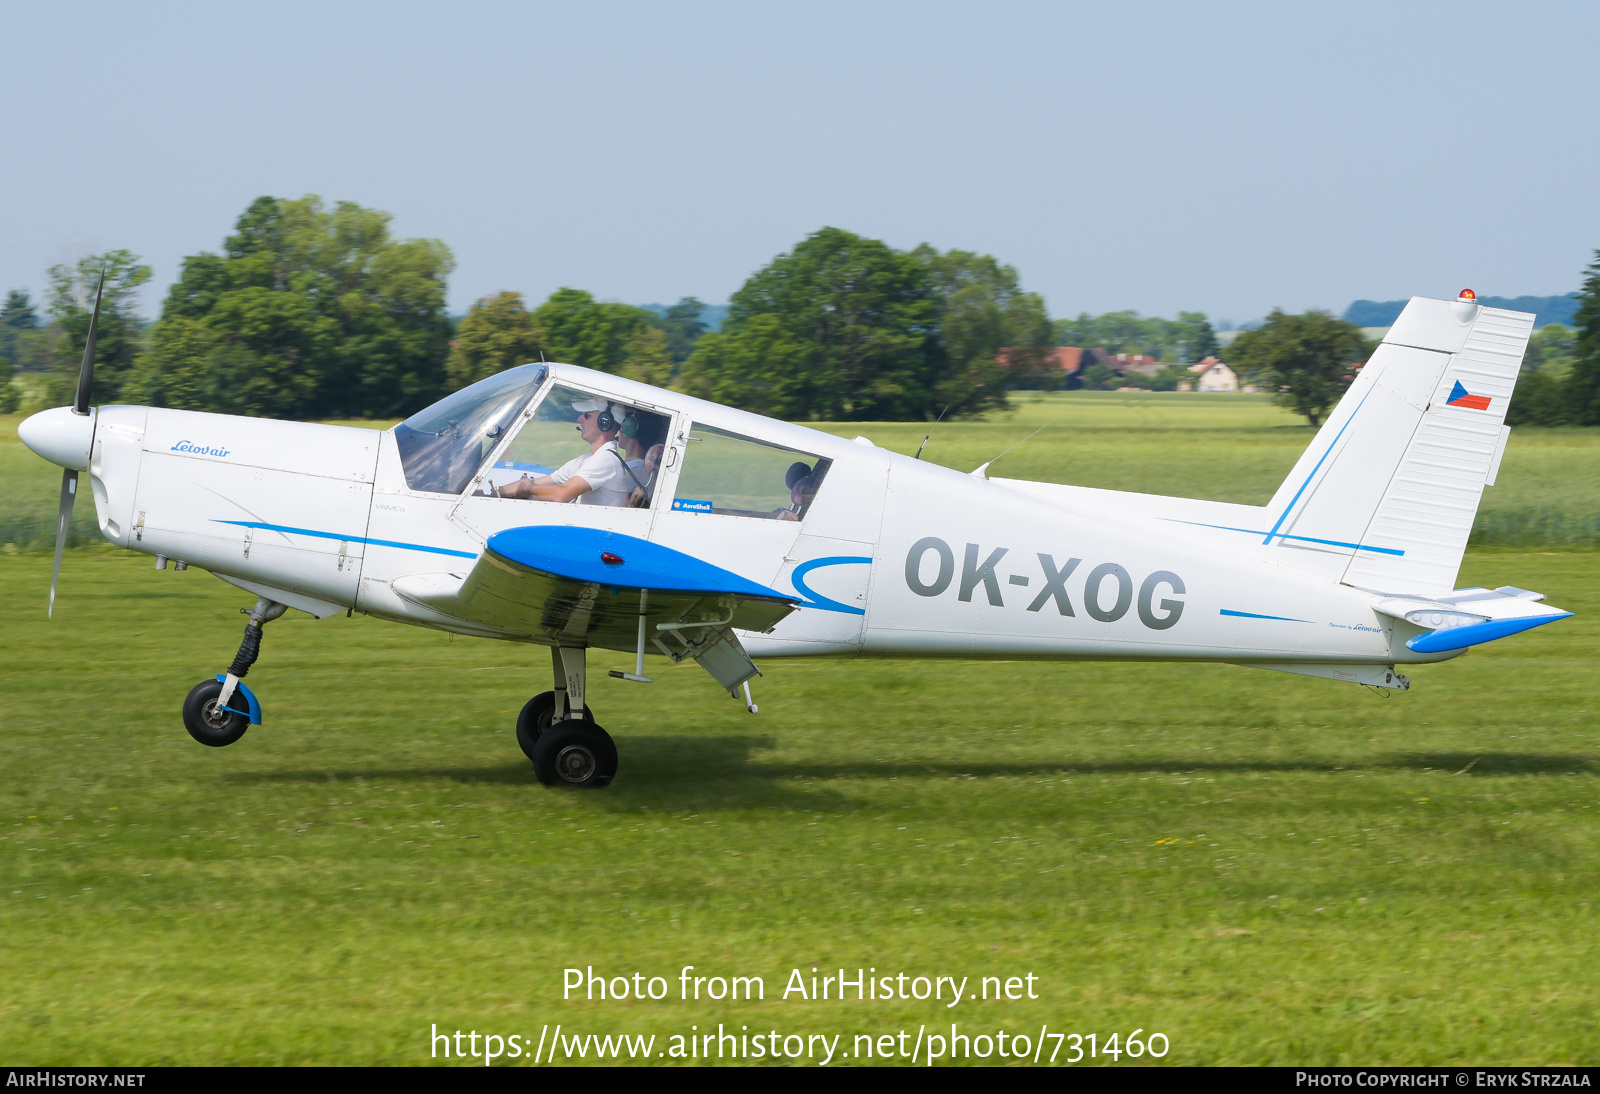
1385 497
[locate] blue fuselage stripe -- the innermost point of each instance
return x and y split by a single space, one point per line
1302 539
1331 446
350 539
817 600
1253 615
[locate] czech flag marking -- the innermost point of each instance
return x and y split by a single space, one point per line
1459 397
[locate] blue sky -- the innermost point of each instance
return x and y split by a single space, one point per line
1224 157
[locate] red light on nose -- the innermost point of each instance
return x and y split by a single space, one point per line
1467 294
610 559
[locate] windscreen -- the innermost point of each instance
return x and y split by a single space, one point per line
442 447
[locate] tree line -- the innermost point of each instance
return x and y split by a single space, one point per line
315 312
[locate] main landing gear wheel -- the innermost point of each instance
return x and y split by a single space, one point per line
576 754
537 714
207 722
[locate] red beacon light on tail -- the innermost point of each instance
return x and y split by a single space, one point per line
1468 295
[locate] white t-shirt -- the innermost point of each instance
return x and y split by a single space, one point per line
603 471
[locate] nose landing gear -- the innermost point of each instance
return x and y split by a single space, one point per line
567 749
217 712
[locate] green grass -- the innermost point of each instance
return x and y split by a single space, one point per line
1267 869
1222 447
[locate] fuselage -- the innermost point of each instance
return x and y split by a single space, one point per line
894 557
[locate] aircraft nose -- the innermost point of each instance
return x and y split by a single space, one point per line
60 436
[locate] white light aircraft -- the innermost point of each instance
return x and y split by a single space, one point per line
721 535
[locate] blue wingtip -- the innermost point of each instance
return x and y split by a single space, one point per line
1473 634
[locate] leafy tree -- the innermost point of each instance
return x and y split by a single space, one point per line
1306 360
1540 398
16 317
120 333
684 325
1583 382
603 335
308 312
840 328
496 334
1190 335
762 368
1192 330
1553 350
1114 332
1101 377
982 312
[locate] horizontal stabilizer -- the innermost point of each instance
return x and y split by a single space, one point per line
1469 617
1474 634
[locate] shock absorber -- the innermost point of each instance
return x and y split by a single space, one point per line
249 650
264 612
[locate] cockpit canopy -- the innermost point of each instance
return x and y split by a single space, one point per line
442 447
711 470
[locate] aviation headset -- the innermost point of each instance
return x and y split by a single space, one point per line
606 422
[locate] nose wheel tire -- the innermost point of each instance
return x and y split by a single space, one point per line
537 714
207 722
576 754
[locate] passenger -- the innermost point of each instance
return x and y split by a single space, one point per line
801 491
599 477
633 448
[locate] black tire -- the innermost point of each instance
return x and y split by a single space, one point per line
208 725
575 754
535 718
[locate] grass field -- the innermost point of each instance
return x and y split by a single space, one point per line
1265 868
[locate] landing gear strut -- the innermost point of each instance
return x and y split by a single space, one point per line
567 748
217 712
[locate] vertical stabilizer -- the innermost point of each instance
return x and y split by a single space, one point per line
1385 496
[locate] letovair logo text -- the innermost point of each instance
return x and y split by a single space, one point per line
197 449
1107 592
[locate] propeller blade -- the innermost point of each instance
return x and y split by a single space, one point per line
69 493
80 403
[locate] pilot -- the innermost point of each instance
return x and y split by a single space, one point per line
599 477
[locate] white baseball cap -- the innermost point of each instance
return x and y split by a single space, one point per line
587 406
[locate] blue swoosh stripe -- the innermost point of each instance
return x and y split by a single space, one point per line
1253 615
352 539
816 600
1286 535
1331 446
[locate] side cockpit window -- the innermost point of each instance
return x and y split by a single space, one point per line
743 477
442 447
613 447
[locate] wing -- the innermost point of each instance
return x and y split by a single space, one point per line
565 585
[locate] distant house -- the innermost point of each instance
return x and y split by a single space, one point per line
1125 363
1071 361
1065 359
1212 375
